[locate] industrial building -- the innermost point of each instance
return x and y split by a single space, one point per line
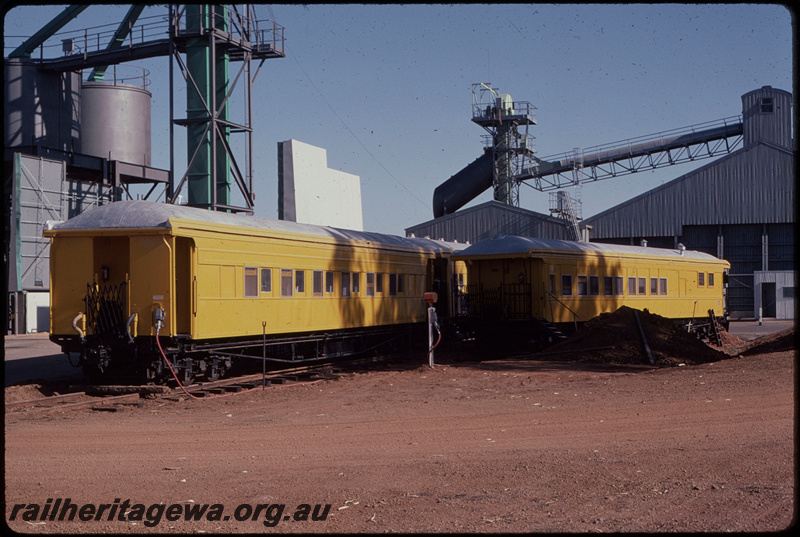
71 143
740 207
311 193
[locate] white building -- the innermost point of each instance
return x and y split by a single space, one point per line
311 193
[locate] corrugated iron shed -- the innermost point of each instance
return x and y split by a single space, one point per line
488 219
753 185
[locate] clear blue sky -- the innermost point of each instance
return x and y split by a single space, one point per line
386 89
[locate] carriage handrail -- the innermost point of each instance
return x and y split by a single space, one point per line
575 316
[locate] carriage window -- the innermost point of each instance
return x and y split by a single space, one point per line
582 286
618 289
392 284
379 283
701 279
663 284
250 281
400 283
653 286
356 285
317 284
643 286
370 284
329 283
594 285
608 285
632 286
300 281
266 280
711 279
345 284
286 282
566 285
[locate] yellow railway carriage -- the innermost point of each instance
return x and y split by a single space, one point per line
521 278
213 286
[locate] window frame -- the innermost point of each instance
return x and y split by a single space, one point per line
632 286
287 276
619 286
318 276
642 287
566 283
370 285
701 279
582 281
266 278
663 286
653 286
330 282
608 285
254 289
345 285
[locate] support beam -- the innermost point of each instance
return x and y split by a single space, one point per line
98 73
26 49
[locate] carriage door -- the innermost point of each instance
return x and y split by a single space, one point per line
437 271
184 285
539 284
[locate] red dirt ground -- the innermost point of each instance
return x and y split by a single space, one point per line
501 446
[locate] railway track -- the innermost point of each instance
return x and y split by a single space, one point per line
116 398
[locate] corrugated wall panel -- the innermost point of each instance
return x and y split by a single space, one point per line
749 186
489 219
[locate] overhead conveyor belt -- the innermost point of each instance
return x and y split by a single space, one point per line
663 149
595 163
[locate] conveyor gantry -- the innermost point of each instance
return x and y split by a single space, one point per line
677 146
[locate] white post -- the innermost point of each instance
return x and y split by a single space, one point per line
431 321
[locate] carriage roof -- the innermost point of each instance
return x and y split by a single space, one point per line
152 215
513 246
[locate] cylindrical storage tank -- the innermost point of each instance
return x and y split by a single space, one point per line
115 122
41 108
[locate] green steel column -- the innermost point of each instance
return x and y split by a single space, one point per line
206 69
222 77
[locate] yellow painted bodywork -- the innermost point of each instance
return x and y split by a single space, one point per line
196 271
684 298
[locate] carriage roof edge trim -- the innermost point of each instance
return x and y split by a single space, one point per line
514 246
138 215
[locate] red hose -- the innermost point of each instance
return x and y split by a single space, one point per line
436 344
158 342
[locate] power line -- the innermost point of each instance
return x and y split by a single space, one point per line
294 56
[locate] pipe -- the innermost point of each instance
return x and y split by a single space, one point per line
75 325
128 326
464 186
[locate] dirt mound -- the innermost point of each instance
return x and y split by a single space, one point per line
777 342
669 344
